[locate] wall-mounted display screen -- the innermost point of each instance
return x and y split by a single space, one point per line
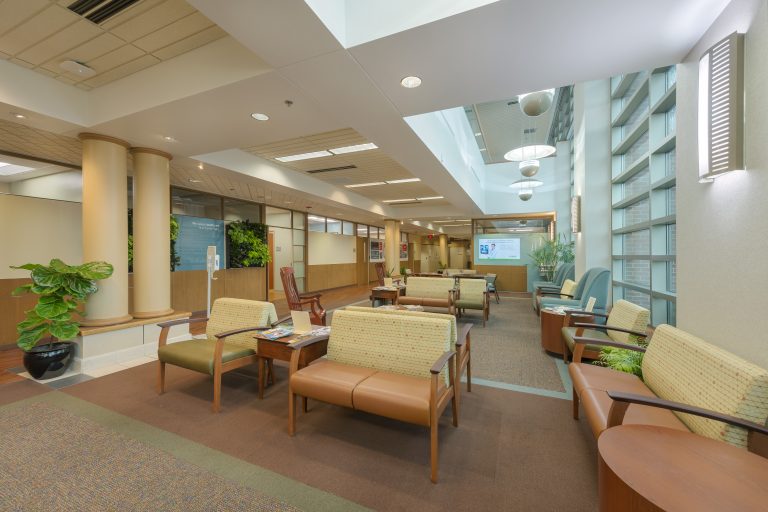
499 248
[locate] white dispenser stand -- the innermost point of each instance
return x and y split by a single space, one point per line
211 265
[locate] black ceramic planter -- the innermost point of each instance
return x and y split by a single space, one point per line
49 361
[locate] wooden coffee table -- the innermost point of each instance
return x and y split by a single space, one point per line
648 468
552 323
280 349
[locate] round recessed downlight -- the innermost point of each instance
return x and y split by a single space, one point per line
526 184
532 152
536 103
410 82
525 194
19 116
260 117
168 138
529 168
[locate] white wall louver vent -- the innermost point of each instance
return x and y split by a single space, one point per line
721 108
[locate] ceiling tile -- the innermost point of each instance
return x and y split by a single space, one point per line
152 20
60 42
122 71
190 43
177 30
51 20
94 48
115 58
130 12
14 12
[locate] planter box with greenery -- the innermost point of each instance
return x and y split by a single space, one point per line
247 245
62 290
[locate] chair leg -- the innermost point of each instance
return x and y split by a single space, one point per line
455 407
291 413
216 391
160 377
271 370
469 373
304 404
497 296
433 455
575 404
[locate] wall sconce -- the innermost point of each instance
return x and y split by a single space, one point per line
721 108
576 214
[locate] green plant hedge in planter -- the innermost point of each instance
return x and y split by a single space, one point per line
175 259
247 245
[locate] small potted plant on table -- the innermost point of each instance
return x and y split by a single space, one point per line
62 289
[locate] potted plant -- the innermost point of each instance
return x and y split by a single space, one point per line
546 256
62 290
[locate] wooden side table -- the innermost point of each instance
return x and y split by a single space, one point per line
552 323
646 468
386 295
280 349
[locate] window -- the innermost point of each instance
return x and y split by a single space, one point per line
333 226
316 223
362 230
347 228
241 210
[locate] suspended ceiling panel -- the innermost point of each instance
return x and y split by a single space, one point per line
350 168
40 34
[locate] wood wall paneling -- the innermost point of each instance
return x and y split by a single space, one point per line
509 278
326 277
189 289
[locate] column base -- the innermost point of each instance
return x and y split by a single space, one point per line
100 322
152 314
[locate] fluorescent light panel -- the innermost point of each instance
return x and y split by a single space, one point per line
398 200
372 184
354 149
429 198
406 180
303 156
11 169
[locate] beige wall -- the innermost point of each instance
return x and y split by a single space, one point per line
66 186
722 227
37 230
330 248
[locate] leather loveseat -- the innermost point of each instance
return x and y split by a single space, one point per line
397 366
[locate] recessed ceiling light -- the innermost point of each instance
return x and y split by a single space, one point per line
19 116
478 134
354 149
429 198
7 169
398 200
200 166
371 184
483 149
192 180
303 156
410 82
168 138
260 117
406 180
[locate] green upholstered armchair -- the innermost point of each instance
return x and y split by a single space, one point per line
564 271
473 294
626 323
228 344
594 283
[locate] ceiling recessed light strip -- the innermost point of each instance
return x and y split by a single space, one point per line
432 198
399 200
406 180
372 184
303 156
354 149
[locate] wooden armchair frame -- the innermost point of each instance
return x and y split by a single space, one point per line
486 304
580 326
297 301
219 367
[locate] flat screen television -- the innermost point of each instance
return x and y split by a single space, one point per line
498 248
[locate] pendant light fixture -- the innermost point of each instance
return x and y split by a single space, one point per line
529 168
534 104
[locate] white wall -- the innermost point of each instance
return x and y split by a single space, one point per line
66 186
37 230
592 173
722 227
283 240
330 249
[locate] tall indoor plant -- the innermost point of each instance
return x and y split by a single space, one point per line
247 244
62 290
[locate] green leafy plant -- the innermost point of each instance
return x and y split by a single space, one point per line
627 361
175 259
402 270
247 245
390 272
62 289
566 250
551 252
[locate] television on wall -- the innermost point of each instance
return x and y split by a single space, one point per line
498 248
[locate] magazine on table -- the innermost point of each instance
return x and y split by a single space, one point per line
275 334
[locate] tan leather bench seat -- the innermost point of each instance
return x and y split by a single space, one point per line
424 301
603 378
396 396
330 382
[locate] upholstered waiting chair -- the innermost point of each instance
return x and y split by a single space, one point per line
297 301
473 294
627 323
490 279
228 345
564 271
594 283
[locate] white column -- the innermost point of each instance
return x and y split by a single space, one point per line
392 246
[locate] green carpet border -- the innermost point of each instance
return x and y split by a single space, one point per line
231 468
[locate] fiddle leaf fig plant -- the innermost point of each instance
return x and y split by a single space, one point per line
62 289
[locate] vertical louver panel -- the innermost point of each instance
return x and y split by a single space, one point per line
721 108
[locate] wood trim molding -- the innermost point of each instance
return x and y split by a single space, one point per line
105 138
151 151
103 322
152 314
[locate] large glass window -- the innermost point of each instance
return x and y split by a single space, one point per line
316 223
334 226
195 204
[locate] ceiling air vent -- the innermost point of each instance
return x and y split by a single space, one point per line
99 11
343 168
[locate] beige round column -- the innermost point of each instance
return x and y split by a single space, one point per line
105 224
151 233
444 249
392 246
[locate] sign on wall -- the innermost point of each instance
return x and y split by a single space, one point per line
403 252
195 235
376 250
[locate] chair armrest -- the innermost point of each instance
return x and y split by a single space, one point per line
609 328
441 362
307 342
548 289
594 341
181 321
582 312
629 398
310 295
240 331
281 321
557 293
463 333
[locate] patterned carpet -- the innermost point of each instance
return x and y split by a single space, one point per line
54 460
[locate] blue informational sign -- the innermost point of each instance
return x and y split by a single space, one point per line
195 235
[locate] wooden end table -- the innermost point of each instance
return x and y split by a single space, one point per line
552 323
386 295
280 349
649 468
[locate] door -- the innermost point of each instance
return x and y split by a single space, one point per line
271 269
361 249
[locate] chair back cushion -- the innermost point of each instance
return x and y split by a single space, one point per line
558 279
567 288
472 290
681 367
228 314
568 272
469 271
627 315
404 344
429 287
596 285
426 314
